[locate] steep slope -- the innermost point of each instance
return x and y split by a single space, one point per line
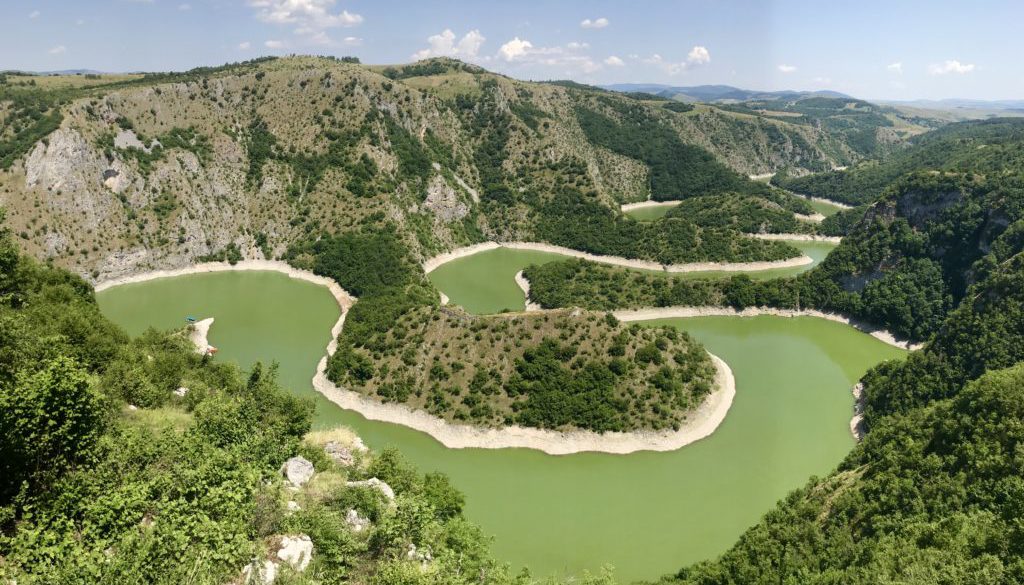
988 147
110 176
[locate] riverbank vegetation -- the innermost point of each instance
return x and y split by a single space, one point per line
572 220
931 494
562 370
111 473
904 266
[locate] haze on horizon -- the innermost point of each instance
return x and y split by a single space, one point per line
875 50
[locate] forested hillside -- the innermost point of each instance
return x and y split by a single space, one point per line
991 148
109 175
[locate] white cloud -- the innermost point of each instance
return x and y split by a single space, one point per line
896 67
787 68
274 44
34 14
515 49
352 41
184 7
244 45
311 18
951 66
613 61
570 58
596 23
823 80
444 44
698 56
58 50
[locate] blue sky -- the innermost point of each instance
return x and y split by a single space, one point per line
896 49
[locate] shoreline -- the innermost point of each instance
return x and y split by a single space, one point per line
711 311
700 423
843 206
524 285
798 238
199 333
341 296
432 264
857 421
625 207
813 218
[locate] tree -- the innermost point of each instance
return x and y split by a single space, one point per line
50 420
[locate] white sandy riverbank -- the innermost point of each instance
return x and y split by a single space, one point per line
813 218
198 334
699 424
857 421
433 263
524 285
677 312
825 201
649 203
798 238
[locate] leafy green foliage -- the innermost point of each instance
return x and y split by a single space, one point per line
990 147
677 170
572 220
745 213
50 419
31 115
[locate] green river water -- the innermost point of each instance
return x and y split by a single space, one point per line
647 513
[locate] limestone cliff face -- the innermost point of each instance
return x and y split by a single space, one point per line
165 173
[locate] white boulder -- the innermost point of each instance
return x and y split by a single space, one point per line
339 453
356 522
298 471
376 484
297 551
256 573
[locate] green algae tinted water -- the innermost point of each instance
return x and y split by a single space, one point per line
646 513
484 282
649 213
825 208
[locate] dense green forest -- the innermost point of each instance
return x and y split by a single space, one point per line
562 370
904 265
573 220
746 213
676 170
990 147
107 475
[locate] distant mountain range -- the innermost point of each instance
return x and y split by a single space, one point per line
715 93
959 104
61 72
